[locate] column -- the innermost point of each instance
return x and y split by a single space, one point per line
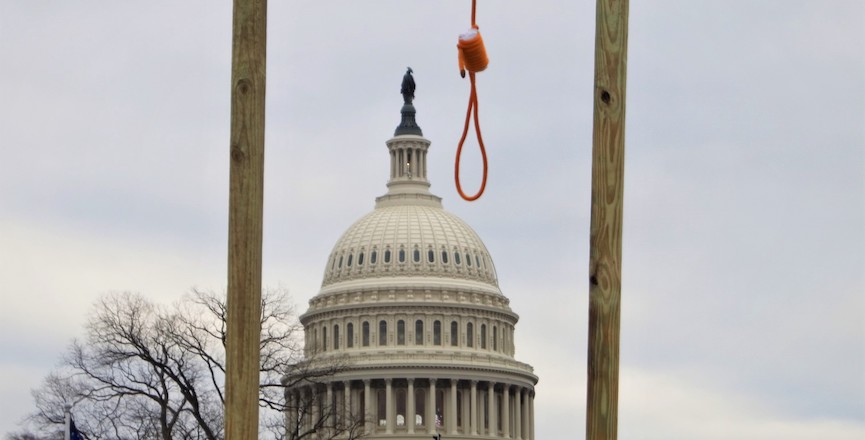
506 415
367 426
388 406
532 415
316 410
518 414
474 408
330 408
410 409
431 408
452 411
491 406
346 417
291 415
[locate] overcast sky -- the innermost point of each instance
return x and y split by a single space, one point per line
743 304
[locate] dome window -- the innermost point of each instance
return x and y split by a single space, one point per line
455 333
349 335
336 337
382 333
478 261
470 335
484 336
418 332
416 256
324 338
437 333
431 256
495 339
348 262
373 256
387 256
469 260
360 259
340 263
400 332
365 330
444 256
333 263
402 255
457 260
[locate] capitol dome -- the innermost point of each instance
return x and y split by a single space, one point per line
411 313
403 243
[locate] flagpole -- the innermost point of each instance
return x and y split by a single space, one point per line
67 433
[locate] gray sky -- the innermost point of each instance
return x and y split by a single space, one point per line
743 311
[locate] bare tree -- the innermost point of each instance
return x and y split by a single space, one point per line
143 371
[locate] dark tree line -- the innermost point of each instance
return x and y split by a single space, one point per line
145 371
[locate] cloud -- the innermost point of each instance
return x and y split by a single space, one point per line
679 404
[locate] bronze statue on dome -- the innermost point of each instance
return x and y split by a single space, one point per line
407 88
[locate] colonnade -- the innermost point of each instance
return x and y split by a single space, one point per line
406 406
408 162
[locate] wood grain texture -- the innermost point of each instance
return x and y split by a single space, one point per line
246 199
605 255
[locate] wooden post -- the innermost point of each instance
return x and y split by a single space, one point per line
245 205
605 255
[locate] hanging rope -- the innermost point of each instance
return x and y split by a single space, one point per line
472 57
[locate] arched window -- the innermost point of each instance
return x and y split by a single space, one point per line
382 333
455 334
402 255
440 404
495 339
349 335
459 408
437 333
381 404
324 338
348 263
365 331
477 261
336 337
457 260
470 334
315 338
468 260
387 256
333 263
419 406
431 256
400 406
418 332
444 256
339 266
400 332
360 259
373 256
484 336
416 256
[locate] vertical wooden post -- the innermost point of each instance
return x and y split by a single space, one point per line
245 206
605 255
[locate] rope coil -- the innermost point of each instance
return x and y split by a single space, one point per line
472 56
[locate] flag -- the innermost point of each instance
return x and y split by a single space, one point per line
74 433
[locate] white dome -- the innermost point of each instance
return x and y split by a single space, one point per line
410 240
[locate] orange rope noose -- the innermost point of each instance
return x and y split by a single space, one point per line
472 57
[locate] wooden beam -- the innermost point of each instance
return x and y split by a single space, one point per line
605 255
245 206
